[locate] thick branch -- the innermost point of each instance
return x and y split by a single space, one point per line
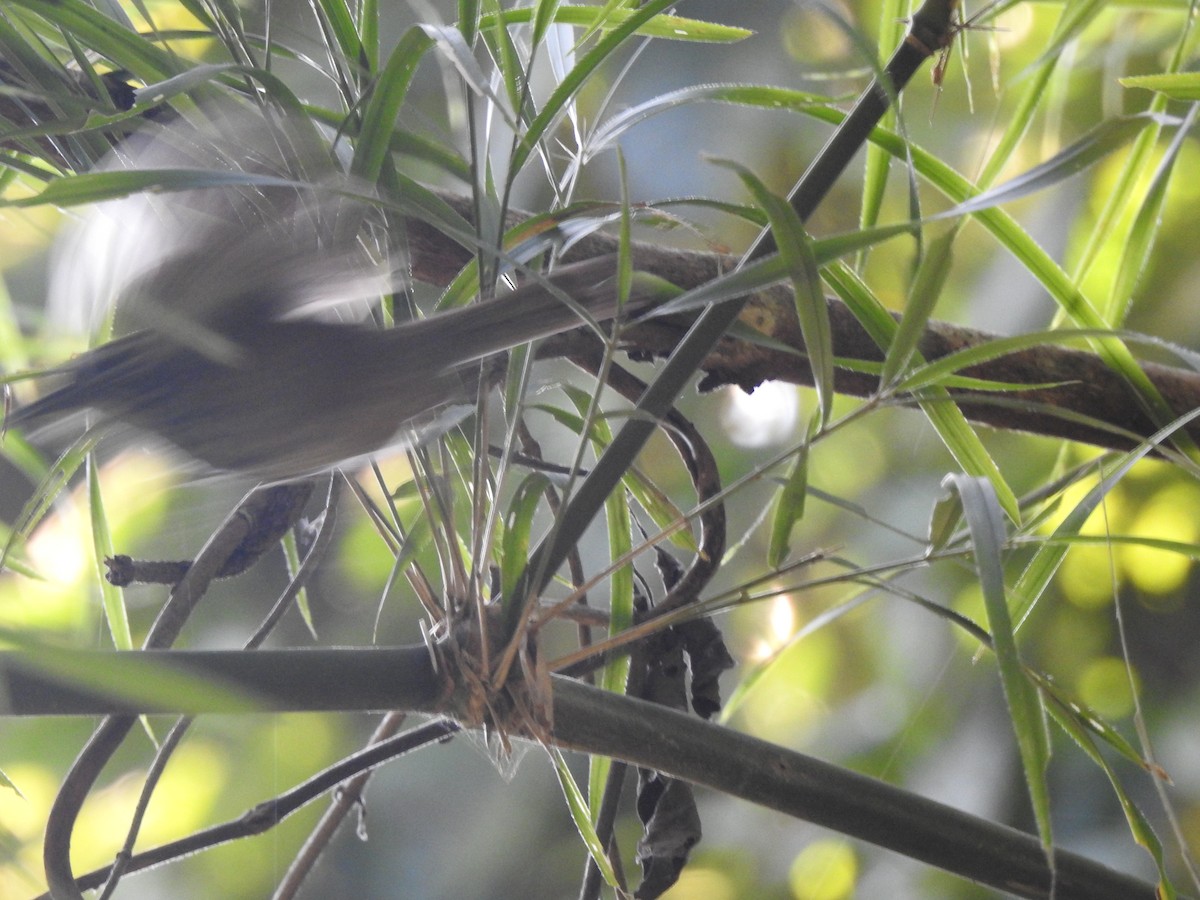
592 721
1089 390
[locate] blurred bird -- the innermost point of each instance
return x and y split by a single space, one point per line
227 289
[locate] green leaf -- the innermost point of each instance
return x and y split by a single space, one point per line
666 515
47 491
560 100
943 523
771 270
1045 562
545 15
379 117
789 509
674 28
125 48
937 404
578 808
796 250
518 523
620 530
93 187
1106 138
1136 256
155 686
923 296
986 524
1036 261
1080 724
111 596
454 47
760 96
1172 85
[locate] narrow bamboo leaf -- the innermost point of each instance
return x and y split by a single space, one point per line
28 461
560 100
1136 256
1141 830
1045 562
544 17
1183 548
1174 86
624 236
620 541
760 96
369 34
111 597
8 784
936 371
405 142
455 48
1121 196
947 419
665 514
959 382
943 522
876 165
796 249
508 63
47 491
578 808
1089 721
1107 137
93 187
518 523
611 16
341 19
773 269
155 686
789 509
1076 16
986 524
184 81
468 20
870 313
1036 261
291 554
926 288
967 449
379 117
100 34
515 384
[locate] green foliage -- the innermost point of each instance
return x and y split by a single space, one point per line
865 649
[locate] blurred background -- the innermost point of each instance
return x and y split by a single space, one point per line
883 687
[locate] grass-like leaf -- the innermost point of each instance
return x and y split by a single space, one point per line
947 419
986 524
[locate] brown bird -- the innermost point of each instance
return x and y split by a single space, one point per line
302 395
227 289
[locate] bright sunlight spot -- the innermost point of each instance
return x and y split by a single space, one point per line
767 416
825 870
1014 27
781 626
23 818
782 619
1168 516
59 551
696 883
1087 578
1103 686
788 694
